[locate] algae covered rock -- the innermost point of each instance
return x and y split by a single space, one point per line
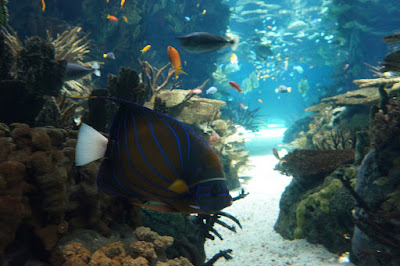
190 110
316 206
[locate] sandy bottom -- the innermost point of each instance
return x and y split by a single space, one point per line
258 243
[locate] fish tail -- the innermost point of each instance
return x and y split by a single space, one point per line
180 71
240 90
91 145
234 42
96 68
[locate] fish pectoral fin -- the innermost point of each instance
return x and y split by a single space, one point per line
157 207
179 186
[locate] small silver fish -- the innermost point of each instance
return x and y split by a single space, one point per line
211 90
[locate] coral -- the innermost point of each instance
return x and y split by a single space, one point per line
220 126
127 86
319 212
38 68
303 86
14 207
391 62
250 83
149 249
69 46
6 60
153 74
311 166
377 211
160 242
320 199
72 47
386 127
36 73
42 192
248 118
195 110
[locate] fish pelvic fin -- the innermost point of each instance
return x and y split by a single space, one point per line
234 42
179 186
91 145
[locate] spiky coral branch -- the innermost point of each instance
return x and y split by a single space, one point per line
363 83
70 46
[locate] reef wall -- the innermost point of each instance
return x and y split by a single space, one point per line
47 202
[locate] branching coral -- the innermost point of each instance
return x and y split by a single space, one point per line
248 118
153 74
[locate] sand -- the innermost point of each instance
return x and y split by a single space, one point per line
258 243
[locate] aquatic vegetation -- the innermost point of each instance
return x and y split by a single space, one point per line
303 86
69 46
318 200
250 83
3 13
248 118
318 210
220 75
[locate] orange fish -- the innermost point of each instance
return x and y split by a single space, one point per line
269 27
259 100
244 107
204 12
175 60
125 19
235 86
112 18
43 6
146 48
122 3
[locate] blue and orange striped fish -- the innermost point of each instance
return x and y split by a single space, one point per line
154 157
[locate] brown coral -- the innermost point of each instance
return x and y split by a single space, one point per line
387 127
313 165
144 252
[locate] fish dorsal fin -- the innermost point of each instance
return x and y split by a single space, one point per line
179 186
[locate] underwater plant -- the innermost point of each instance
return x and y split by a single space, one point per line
3 12
248 118
69 46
